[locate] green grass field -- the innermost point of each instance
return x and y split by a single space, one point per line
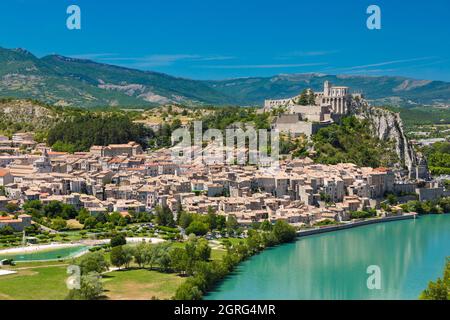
38 283
45 280
41 282
140 285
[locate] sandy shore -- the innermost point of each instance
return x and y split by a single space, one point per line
6 272
41 247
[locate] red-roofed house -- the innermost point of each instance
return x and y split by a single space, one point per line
5 177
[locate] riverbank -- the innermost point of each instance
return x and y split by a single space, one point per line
354 224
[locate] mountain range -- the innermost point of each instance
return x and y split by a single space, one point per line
66 81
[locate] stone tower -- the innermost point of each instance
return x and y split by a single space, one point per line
326 88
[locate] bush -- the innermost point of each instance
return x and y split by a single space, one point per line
6 231
93 262
198 228
118 240
283 231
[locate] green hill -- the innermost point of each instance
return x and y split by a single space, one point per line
66 81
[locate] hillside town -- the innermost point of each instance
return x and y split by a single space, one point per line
123 178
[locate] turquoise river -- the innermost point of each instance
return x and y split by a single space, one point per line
334 265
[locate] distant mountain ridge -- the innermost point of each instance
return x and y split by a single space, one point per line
61 80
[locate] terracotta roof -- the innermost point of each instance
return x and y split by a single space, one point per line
4 172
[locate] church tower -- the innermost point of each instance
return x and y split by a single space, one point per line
326 88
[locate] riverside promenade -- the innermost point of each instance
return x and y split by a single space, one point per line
354 224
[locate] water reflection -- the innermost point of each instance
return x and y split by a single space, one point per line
333 265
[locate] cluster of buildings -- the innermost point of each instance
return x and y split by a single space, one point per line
122 178
19 141
328 106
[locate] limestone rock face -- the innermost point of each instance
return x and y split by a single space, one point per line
388 126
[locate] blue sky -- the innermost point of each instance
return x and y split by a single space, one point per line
219 39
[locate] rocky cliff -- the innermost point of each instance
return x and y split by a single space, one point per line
388 126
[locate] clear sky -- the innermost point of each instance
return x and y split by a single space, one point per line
216 39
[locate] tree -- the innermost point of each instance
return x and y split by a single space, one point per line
212 218
91 288
53 209
164 258
6 231
185 219
90 223
266 226
254 241
142 254
178 259
12 207
93 262
188 292
283 231
202 250
159 255
164 216
83 214
68 211
114 218
392 199
306 98
232 223
198 228
439 290
59 224
118 240
128 252
221 222
32 204
121 255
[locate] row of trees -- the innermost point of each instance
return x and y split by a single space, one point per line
55 213
441 205
369 213
200 224
204 274
193 259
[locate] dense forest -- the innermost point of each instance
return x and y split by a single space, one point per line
80 131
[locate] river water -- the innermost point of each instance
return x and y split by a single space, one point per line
409 253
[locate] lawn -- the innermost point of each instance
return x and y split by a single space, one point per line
41 282
140 285
45 280
46 283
